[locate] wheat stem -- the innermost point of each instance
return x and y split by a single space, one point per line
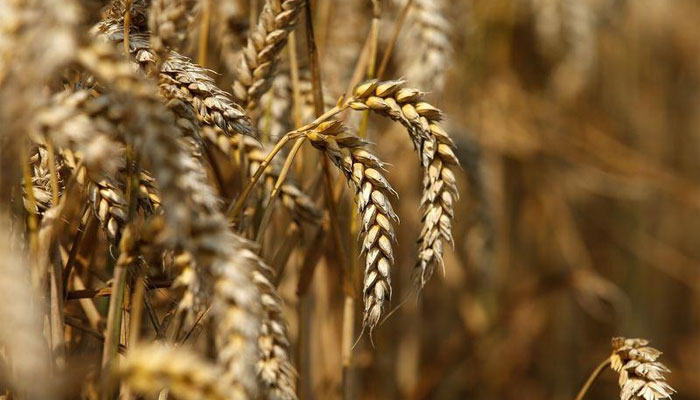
235 208
204 33
276 189
52 172
394 36
594 375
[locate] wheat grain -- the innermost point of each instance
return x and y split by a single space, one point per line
348 152
148 369
259 58
641 376
436 152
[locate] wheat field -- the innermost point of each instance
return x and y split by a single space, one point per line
349 199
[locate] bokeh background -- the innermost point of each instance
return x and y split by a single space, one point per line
578 129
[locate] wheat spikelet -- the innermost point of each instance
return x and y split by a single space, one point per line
372 192
641 376
424 48
148 369
20 311
41 181
260 56
193 220
274 367
436 152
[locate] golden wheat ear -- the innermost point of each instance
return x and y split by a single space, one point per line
436 153
372 192
642 377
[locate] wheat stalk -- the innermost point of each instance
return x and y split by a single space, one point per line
436 152
148 369
348 152
259 58
641 375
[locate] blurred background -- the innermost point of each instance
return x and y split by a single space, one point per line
578 128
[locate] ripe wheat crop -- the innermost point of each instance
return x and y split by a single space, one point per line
201 200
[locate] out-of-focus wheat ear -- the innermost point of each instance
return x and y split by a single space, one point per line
276 109
275 369
72 121
258 60
641 375
167 22
238 311
36 38
233 23
184 80
424 48
21 330
436 153
148 369
372 191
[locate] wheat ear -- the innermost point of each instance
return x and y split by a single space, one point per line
259 58
436 152
149 369
424 48
641 375
181 79
348 152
